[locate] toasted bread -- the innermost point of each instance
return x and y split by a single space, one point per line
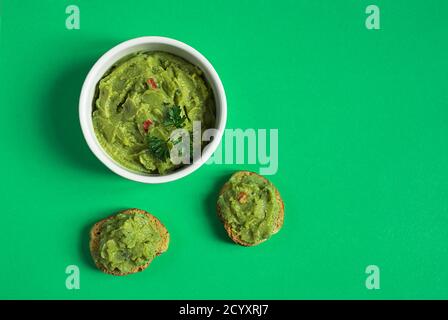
279 221
95 233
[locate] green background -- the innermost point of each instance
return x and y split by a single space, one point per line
363 149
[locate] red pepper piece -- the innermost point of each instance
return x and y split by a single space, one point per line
146 124
152 83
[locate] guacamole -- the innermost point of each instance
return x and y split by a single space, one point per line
249 205
141 100
127 241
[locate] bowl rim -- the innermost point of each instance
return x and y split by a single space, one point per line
85 110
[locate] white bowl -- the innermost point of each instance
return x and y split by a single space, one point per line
150 44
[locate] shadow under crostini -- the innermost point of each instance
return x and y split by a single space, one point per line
210 207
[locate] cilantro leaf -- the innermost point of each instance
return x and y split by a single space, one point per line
158 148
174 117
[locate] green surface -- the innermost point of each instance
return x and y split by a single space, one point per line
363 149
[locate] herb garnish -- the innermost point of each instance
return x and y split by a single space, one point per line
174 118
158 147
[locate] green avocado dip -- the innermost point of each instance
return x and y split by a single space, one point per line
127 241
141 100
248 204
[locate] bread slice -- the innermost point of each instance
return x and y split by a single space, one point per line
95 233
278 223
